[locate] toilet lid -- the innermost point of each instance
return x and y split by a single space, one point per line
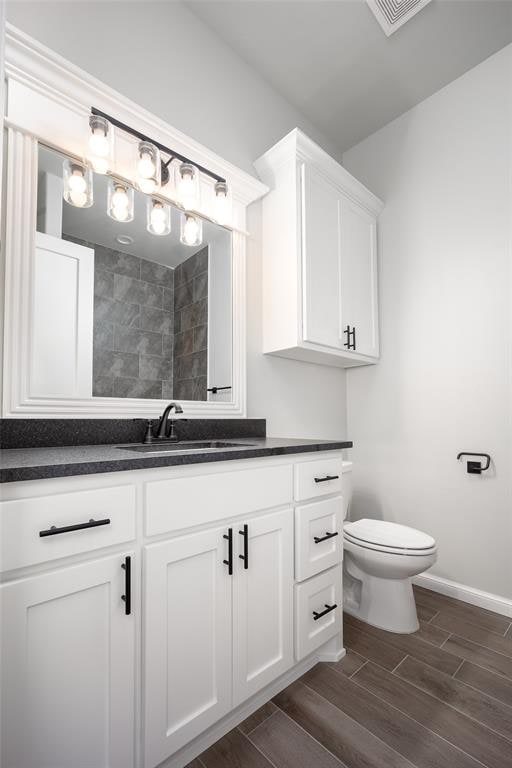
385 534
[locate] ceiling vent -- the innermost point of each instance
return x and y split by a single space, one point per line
391 14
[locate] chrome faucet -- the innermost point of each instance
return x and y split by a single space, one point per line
163 430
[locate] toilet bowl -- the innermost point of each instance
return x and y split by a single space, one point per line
380 559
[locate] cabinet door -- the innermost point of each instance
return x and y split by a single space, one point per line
262 602
320 259
68 669
187 640
359 277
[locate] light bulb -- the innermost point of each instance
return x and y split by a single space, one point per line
120 202
100 164
146 166
78 197
190 231
187 186
158 217
120 198
77 183
99 143
222 203
148 186
120 213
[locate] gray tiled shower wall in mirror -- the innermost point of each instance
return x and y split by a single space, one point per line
137 350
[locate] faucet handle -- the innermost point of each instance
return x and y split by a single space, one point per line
149 436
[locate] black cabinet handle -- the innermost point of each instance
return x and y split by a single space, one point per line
318 539
326 478
127 597
350 343
245 557
328 609
77 527
229 561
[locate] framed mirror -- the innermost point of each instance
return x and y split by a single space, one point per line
151 286
111 318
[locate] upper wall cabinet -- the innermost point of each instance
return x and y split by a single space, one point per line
319 258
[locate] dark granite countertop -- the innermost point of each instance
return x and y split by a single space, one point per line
36 463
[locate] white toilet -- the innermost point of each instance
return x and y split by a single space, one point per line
380 558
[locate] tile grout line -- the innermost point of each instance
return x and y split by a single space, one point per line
445 641
405 714
374 735
458 668
256 726
456 709
399 663
479 690
365 662
246 736
279 710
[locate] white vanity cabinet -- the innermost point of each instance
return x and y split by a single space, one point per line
68 668
226 581
319 257
216 631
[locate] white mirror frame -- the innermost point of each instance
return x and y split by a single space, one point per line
48 101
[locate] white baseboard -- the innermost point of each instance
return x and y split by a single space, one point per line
470 595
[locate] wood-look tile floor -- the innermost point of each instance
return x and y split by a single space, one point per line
441 698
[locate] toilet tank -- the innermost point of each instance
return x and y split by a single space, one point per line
346 485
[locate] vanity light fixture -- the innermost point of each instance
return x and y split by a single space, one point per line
148 170
101 139
159 217
191 229
77 186
223 203
188 186
120 201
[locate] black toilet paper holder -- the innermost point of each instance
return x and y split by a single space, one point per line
475 467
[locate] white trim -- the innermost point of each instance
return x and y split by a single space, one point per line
470 595
40 76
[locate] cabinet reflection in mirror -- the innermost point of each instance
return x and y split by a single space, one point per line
150 314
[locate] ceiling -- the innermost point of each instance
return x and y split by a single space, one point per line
332 61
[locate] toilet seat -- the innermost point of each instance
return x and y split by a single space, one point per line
392 538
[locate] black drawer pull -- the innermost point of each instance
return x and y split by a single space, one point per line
78 527
127 597
326 478
229 561
318 539
328 609
245 556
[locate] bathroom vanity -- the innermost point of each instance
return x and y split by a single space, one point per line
150 610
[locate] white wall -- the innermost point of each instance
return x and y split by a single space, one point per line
444 383
162 56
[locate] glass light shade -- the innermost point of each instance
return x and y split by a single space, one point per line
191 229
188 186
101 144
77 184
120 201
148 167
223 205
159 217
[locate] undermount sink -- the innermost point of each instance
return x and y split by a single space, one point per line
185 446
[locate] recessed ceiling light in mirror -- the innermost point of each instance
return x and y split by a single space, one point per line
125 240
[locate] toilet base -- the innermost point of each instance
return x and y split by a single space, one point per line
384 603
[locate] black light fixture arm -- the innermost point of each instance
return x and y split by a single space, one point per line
161 147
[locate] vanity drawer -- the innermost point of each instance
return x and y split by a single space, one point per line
24 520
317 478
185 502
318 537
312 599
